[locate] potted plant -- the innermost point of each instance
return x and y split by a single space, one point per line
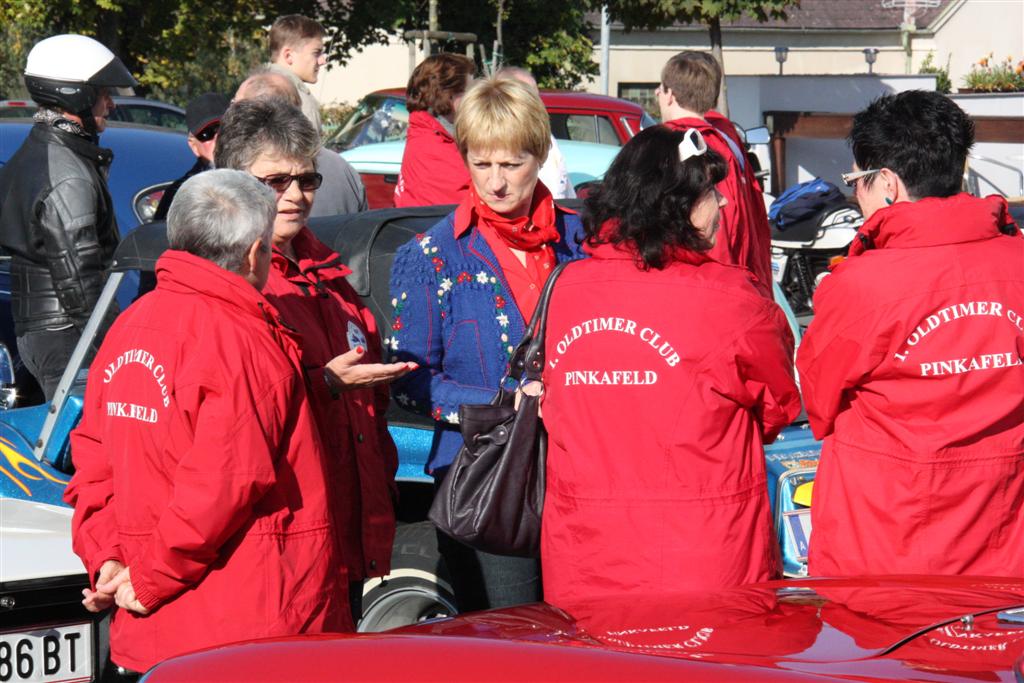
988 76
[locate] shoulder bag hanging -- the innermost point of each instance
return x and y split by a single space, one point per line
492 497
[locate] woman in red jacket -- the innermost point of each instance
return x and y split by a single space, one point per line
432 168
666 372
340 346
912 369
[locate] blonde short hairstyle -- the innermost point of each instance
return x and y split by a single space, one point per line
503 113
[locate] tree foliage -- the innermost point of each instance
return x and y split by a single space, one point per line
550 38
654 14
175 48
180 48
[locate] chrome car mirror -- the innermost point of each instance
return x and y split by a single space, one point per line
8 392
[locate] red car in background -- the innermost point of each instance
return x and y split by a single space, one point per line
381 116
592 126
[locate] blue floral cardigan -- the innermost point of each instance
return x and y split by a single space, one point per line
455 316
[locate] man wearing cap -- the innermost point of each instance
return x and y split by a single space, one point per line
202 116
56 216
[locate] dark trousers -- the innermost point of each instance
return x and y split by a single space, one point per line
485 581
46 353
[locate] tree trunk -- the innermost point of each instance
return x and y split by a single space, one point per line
432 25
715 29
499 44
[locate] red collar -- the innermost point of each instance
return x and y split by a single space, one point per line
626 251
310 254
423 119
689 122
933 221
466 214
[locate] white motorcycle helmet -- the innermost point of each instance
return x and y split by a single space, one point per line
66 72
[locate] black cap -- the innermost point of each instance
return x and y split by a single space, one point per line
206 109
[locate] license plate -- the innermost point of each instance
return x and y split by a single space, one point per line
58 654
798 528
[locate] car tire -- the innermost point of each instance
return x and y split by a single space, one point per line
418 587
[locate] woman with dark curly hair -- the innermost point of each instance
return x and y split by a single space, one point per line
666 372
432 168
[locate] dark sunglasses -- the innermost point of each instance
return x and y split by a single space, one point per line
280 182
208 133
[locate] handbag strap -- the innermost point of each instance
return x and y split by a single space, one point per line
528 358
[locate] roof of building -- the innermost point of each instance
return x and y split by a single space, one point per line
836 15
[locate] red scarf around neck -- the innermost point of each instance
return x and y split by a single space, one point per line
528 233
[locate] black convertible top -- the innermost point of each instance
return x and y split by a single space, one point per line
365 241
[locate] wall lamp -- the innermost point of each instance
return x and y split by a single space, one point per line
781 53
870 56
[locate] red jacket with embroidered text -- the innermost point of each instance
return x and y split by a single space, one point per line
199 466
660 388
316 300
912 373
432 168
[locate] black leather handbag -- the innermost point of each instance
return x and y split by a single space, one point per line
492 496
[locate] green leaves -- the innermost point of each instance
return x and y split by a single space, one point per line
653 14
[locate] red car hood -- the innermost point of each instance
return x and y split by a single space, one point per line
887 628
877 629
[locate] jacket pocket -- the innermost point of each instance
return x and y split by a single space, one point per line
464 354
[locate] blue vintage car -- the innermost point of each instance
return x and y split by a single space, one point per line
35 463
146 159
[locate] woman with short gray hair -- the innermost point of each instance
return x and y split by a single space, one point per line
341 350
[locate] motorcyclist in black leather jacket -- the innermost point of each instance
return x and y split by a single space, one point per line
56 216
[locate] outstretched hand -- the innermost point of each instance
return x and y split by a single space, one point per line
347 372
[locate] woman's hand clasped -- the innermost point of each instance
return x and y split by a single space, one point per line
346 372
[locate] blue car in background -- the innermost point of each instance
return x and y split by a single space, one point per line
146 160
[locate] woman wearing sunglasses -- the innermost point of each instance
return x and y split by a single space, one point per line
913 368
340 345
665 373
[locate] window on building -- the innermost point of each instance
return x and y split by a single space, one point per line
642 94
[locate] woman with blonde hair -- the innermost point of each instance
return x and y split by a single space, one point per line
464 293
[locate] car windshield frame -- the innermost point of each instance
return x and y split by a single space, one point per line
388 111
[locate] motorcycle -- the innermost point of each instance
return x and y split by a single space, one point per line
804 250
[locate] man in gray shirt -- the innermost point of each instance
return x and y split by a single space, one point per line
342 190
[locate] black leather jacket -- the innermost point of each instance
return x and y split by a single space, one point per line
57 223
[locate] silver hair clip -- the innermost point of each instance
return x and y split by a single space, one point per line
693 144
